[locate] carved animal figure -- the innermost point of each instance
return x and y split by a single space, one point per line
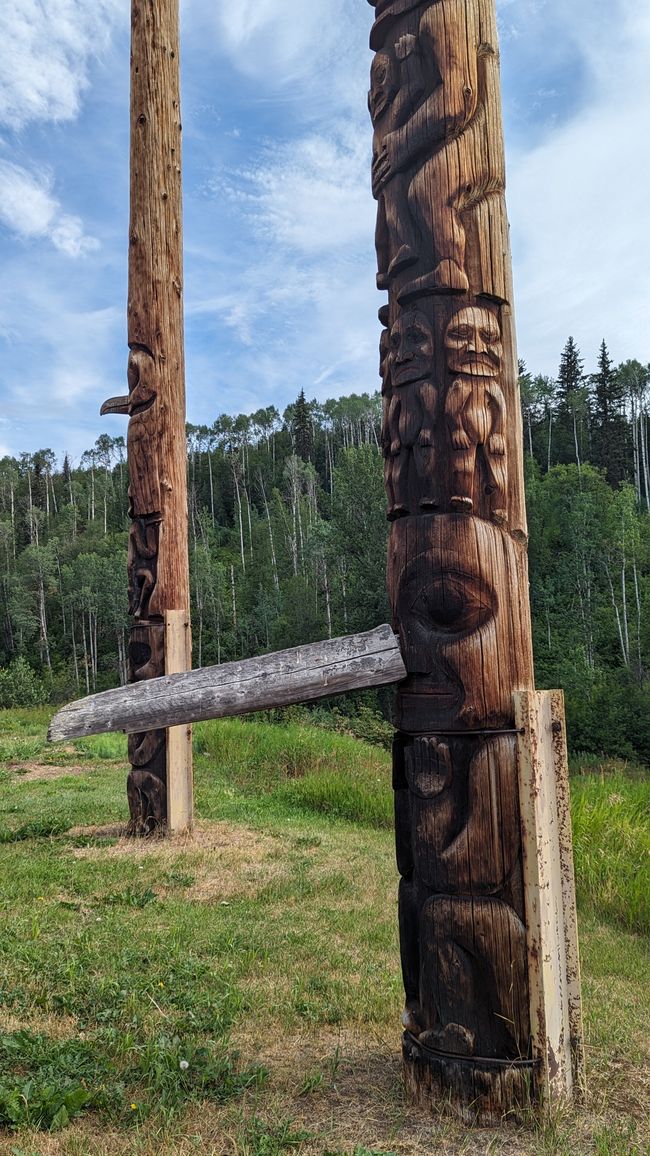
396 83
144 538
475 409
447 136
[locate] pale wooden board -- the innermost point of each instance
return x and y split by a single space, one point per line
574 988
549 894
180 782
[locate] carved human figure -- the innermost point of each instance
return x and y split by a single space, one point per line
411 416
475 410
447 137
396 84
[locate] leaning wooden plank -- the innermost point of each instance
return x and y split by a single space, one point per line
302 674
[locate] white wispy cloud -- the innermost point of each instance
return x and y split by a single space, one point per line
47 49
30 211
300 307
311 194
577 202
279 39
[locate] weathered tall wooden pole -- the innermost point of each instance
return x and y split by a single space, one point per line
159 785
457 563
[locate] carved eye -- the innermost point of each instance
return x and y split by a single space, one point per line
463 333
450 604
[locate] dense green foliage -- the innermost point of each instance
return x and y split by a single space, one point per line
288 539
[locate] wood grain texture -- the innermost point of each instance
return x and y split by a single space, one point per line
158 549
457 563
553 960
180 779
301 674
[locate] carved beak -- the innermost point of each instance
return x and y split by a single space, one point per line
115 405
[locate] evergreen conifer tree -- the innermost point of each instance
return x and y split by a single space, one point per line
573 406
302 428
610 434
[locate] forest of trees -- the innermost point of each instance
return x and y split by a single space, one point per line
288 539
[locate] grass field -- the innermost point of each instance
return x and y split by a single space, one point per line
240 993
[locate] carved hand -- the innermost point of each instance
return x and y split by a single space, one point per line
405 46
426 437
395 448
460 440
497 445
432 769
387 163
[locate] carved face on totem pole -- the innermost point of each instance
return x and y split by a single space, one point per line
473 343
453 627
383 85
411 348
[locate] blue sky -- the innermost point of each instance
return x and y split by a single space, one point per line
279 220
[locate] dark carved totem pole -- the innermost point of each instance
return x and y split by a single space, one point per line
158 581
457 564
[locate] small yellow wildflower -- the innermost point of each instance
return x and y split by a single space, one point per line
161 984
134 1107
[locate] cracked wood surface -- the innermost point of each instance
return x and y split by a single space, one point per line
301 674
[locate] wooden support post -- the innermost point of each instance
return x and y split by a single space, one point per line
158 551
457 560
180 793
549 884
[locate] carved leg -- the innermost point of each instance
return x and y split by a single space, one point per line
424 459
497 486
403 241
388 481
439 219
473 977
463 470
400 484
382 244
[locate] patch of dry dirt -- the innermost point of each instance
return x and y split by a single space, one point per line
226 859
56 1027
31 772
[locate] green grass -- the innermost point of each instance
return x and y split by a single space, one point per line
241 992
611 842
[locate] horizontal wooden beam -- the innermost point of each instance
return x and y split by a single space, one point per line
302 674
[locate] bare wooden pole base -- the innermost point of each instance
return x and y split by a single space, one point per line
477 1092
